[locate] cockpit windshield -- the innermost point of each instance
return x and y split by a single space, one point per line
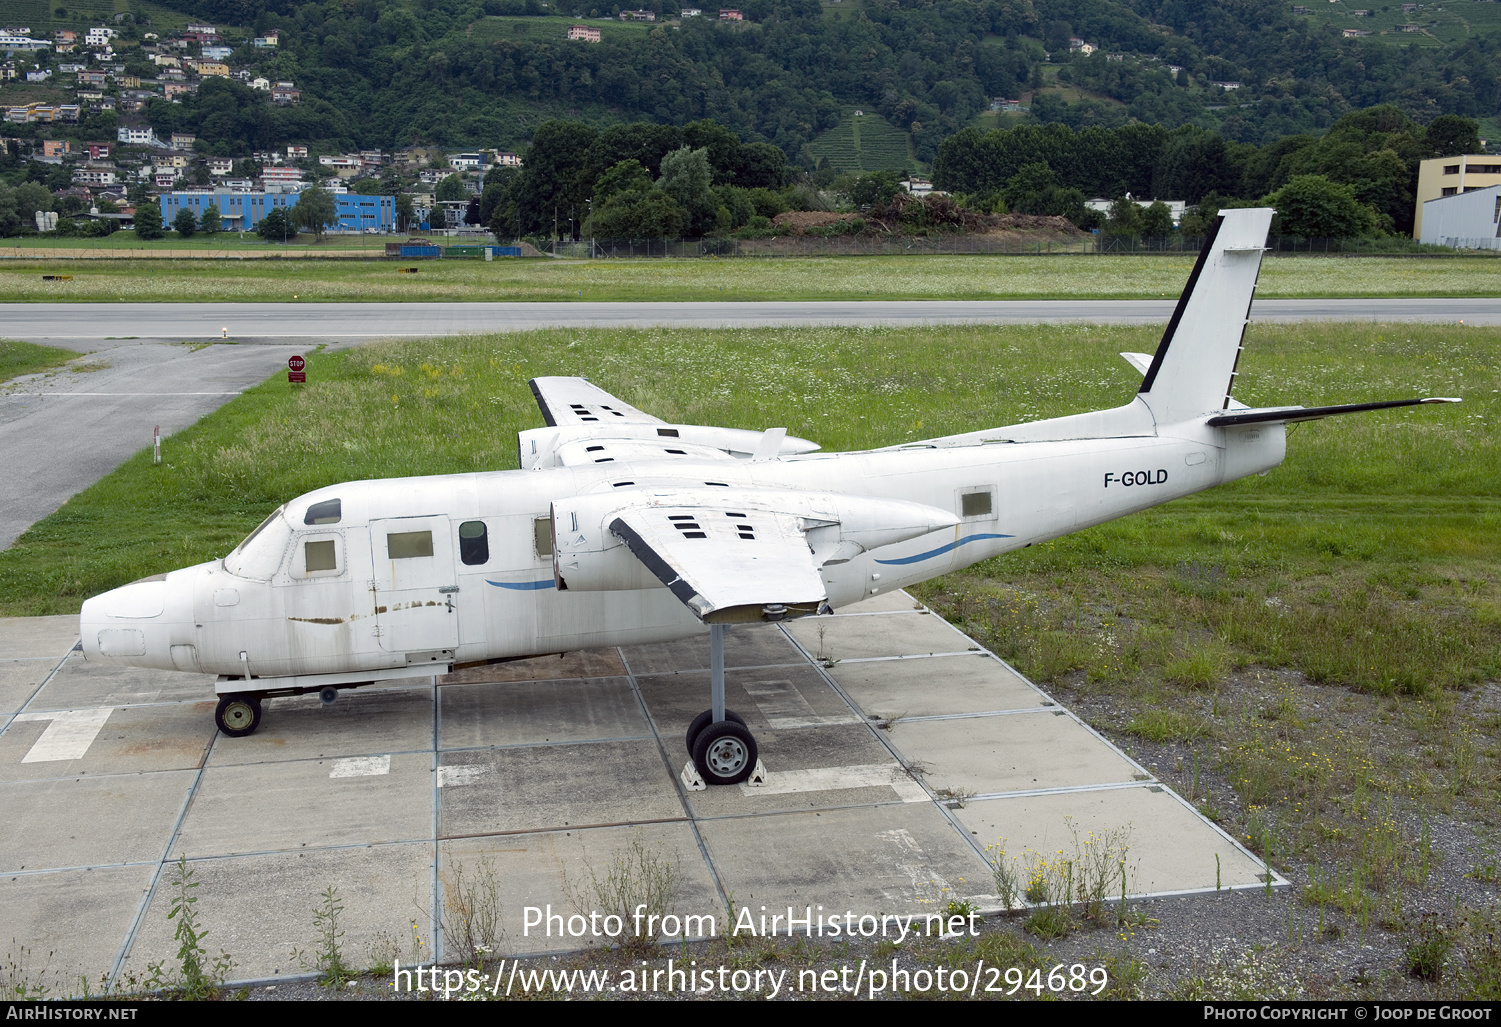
260 555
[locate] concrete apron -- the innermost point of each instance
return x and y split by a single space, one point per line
903 760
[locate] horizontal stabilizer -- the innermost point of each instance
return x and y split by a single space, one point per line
1268 415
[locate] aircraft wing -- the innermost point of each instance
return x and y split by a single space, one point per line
572 401
729 554
725 565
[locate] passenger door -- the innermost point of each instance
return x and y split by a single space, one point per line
415 584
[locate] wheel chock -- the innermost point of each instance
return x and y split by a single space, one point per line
692 779
757 777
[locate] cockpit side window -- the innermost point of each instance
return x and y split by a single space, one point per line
327 512
259 557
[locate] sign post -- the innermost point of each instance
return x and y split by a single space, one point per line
295 373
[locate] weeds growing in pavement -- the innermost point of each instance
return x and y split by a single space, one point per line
196 976
472 926
639 877
328 960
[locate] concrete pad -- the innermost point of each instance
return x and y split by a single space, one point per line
558 868
268 807
133 740
885 602
35 637
359 723
810 749
1168 846
884 859
852 638
259 908
19 680
977 683
516 713
125 819
771 698
745 645
1020 752
588 663
543 787
79 683
71 922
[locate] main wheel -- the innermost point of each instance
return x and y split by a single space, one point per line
238 714
725 753
706 718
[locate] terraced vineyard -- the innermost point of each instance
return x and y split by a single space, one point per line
40 16
864 142
1447 23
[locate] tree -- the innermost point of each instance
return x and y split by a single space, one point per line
451 188
1313 207
315 211
148 219
212 221
639 215
1157 220
686 178
1124 219
1449 135
276 226
185 224
406 214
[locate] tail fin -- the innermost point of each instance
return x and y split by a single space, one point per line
1193 370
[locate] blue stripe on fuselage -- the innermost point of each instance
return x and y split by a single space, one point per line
525 586
950 547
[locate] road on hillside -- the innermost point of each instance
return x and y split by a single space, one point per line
60 433
84 326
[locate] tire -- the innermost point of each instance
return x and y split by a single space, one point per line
706 718
238 714
725 753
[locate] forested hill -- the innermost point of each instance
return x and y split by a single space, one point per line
461 72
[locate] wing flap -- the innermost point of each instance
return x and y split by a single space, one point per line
745 567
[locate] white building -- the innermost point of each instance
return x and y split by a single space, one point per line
139 136
1469 220
99 36
1175 207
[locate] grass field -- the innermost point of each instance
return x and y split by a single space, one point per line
128 244
18 358
1442 24
546 27
805 278
1309 656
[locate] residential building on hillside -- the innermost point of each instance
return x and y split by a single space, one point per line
1451 176
583 33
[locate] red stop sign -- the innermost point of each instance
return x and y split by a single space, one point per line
296 363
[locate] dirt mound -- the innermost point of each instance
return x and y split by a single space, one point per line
799 221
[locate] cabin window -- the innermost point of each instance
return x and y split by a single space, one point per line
474 543
975 504
542 530
327 512
321 556
405 545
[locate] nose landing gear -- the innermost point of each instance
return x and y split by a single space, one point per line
238 714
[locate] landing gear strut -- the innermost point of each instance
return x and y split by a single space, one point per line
723 749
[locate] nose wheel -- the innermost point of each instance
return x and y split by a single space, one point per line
723 749
238 714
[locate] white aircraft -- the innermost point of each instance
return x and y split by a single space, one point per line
620 529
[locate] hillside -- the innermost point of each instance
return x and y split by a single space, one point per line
863 142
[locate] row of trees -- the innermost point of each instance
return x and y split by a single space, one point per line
314 211
1374 153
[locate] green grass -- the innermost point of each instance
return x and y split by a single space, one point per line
128 244
1442 24
40 17
808 278
865 143
18 358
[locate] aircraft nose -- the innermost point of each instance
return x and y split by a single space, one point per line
138 624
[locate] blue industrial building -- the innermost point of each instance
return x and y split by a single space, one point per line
241 212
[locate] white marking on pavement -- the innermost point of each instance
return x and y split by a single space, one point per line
361 766
452 777
69 735
783 706
826 779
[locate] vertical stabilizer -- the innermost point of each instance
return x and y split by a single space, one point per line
1193 371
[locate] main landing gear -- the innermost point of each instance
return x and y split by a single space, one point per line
722 747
